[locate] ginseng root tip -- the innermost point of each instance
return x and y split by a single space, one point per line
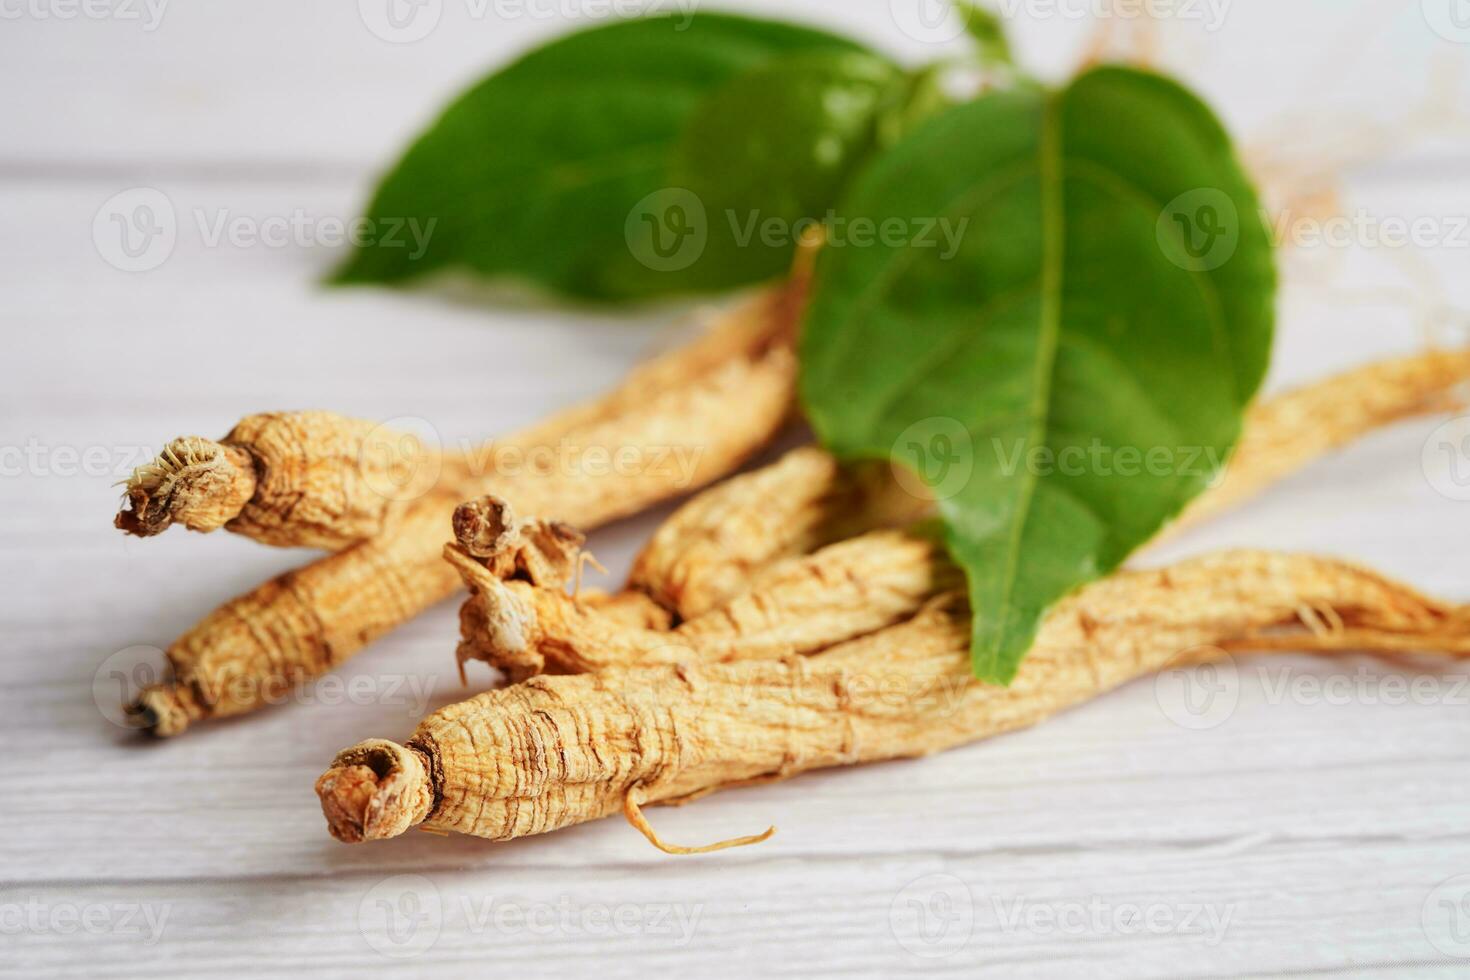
163 710
375 790
486 527
194 481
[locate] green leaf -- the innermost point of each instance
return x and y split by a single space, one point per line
988 32
534 173
771 152
1111 296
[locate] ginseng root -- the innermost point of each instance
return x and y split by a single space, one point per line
316 479
851 588
1284 433
292 479
800 606
715 402
713 547
559 750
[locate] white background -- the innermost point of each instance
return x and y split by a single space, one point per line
1304 832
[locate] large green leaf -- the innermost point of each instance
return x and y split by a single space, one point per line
534 173
772 150
1075 372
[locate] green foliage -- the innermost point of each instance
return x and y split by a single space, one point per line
1077 370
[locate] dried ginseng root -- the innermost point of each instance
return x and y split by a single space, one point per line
853 587
714 402
714 546
544 553
292 479
631 609
316 479
845 590
559 750
501 554
1284 433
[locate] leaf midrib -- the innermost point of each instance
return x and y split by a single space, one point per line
1053 255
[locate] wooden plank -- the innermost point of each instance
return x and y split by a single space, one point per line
1130 911
282 88
1317 821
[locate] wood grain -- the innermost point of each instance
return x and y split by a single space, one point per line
1322 825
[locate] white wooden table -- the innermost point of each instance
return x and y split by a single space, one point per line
1308 821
